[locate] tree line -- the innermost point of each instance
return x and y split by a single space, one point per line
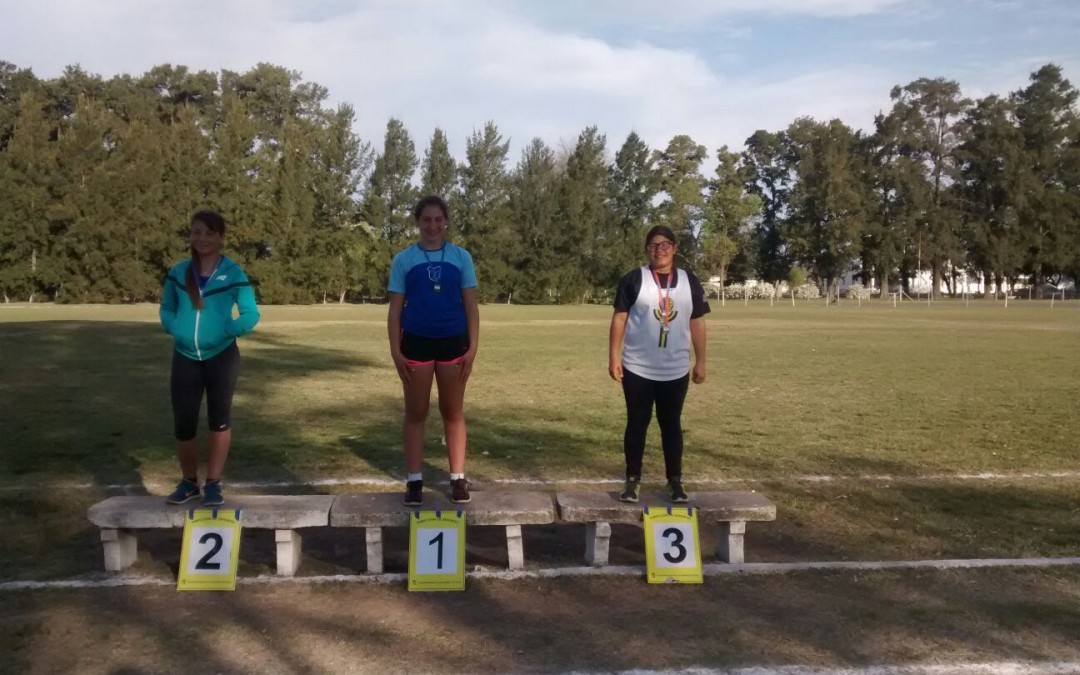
98 178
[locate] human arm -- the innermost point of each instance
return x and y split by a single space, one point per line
698 340
393 330
472 318
615 340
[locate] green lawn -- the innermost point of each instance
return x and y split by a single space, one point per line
908 392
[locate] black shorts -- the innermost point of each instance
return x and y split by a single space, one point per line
425 350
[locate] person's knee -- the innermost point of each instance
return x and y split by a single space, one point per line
185 430
416 414
451 412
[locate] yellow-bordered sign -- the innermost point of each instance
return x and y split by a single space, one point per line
437 551
210 550
672 547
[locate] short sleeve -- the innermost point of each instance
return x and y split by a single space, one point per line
697 294
397 274
468 271
626 293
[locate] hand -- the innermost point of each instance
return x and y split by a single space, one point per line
404 370
614 369
467 364
699 372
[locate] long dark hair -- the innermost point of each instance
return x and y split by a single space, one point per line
215 223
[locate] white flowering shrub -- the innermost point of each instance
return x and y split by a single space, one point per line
762 291
735 291
858 292
807 292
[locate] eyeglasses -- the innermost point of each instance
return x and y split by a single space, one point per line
660 246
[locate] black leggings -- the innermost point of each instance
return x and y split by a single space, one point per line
217 377
669 396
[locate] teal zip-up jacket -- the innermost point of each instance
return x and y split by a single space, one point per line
200 334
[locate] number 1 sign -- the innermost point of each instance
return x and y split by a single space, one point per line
437 551
210 550
672 550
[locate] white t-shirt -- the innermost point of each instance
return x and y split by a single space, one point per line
649 350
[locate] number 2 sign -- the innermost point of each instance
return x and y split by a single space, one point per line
210 550
672 551
437 551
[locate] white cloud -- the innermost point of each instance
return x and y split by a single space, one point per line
904 45
459 64
683 11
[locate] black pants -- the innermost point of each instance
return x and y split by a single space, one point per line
217 377
668 397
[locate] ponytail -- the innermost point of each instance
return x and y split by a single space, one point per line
192 283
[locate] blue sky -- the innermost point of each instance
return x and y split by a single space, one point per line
715 69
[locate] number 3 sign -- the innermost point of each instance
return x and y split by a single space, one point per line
672 551
437 551
210 550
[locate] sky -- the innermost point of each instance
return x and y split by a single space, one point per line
717 70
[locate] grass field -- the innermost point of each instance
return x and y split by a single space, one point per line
907 393
896 406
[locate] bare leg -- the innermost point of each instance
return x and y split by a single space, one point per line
417 402
219 452
188 452
451 406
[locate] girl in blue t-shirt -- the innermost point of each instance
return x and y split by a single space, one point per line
434 325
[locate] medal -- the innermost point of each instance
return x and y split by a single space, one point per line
664 314
434 271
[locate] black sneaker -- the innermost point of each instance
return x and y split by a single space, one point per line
414 493
631 490
185 491
459 491
676 493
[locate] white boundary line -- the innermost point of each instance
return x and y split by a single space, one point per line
397 482
990 668
710 569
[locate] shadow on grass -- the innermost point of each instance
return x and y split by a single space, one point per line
558 625
91 399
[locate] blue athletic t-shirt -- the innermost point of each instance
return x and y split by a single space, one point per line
431 282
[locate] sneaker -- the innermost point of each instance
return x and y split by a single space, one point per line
631 491
459 491
212 494
185 491
676 493
414 493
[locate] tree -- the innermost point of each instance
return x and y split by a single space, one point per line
729 215
988 185
439 171
482 215
28 171
634 184
1048 211
932 109
589 235
534 201
681 182
769 175
825 222
392 196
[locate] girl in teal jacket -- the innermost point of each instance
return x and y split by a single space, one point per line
197 311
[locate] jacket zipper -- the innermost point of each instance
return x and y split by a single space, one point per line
198 353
